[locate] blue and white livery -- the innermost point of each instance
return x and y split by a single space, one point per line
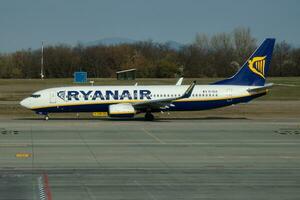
126 101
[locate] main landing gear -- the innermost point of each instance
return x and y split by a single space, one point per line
149 116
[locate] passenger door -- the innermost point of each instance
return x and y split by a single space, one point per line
52 97
229 94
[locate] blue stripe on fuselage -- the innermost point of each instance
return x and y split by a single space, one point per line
179 105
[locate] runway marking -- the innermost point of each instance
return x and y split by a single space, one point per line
143 188
44 188
89 149
41 189
47 187
160 142
23 155
288 157
14 145
70 170
153 136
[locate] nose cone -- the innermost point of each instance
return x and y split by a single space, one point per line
25 103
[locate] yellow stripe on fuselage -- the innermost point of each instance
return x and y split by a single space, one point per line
121 113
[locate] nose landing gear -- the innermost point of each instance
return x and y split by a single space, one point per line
46 118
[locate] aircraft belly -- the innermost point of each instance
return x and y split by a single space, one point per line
76 108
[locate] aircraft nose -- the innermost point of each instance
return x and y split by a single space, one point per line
25 103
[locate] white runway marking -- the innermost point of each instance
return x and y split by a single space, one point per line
160 142
153 136
144 189
41 188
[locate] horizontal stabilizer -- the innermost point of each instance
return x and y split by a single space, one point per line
263 88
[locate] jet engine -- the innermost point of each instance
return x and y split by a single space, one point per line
121 110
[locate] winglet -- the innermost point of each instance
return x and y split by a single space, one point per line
189 91
179 82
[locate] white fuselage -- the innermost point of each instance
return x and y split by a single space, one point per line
96 98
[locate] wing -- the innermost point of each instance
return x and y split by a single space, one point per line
164 103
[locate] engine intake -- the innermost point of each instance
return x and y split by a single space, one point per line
121 110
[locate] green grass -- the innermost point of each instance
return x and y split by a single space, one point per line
17 89
289 92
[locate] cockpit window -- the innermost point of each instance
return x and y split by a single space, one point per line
35 95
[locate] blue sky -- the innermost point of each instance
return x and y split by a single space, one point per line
25 23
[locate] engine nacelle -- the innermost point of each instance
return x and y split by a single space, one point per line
121 110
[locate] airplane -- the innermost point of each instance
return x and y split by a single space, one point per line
127 101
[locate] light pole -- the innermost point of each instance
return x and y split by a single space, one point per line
42 62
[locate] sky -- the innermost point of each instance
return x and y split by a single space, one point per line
25 23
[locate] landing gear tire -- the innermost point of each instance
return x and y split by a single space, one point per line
149 117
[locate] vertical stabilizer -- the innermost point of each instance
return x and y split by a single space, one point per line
255 69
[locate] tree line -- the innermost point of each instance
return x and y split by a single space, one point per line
219 55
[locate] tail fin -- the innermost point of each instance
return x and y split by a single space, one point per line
255 69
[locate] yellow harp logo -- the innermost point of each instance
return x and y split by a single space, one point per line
257 65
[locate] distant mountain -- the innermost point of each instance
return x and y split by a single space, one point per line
174 45
111 41
118 40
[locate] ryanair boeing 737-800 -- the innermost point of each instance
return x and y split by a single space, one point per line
126 101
